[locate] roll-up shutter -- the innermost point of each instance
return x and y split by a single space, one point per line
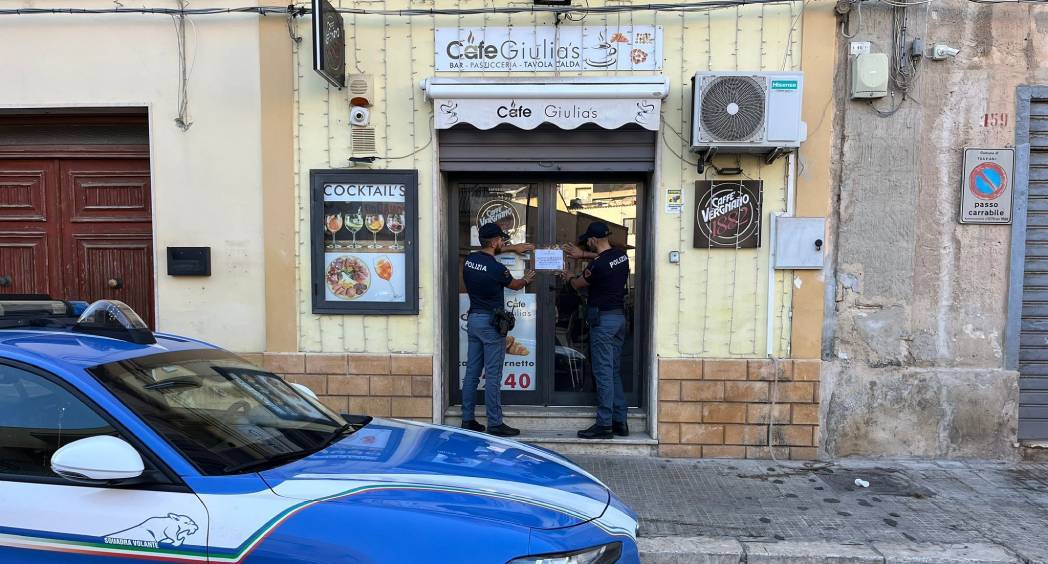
547 148
1033 340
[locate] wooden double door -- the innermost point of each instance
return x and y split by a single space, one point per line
78 229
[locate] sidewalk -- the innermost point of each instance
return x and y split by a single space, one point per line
765 511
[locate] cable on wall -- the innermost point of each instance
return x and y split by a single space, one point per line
182 121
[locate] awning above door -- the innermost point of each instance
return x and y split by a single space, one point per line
564 102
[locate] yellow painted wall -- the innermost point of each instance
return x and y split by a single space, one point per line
713 304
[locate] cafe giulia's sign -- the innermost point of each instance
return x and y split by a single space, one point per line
549 48
528 113
728 214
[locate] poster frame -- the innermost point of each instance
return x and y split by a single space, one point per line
705 189
407 177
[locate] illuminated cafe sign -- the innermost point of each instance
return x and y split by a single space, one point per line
329 43
548 48
728 214
527 103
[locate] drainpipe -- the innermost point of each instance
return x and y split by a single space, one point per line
791 198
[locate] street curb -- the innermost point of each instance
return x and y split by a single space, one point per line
727 550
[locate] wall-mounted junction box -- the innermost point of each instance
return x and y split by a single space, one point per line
869 76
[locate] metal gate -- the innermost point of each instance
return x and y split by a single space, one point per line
1033 336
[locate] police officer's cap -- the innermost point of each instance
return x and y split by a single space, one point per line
491 231
596 230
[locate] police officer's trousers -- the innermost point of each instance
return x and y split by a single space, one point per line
607 336
486 351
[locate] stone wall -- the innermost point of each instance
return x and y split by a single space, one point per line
378 385
739 408
917 305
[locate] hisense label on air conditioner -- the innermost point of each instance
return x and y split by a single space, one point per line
747 111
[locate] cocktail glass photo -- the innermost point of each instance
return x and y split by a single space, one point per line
374 222
354 222
333 223
395 223
384 269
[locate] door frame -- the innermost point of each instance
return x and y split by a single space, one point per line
644 291
1025 96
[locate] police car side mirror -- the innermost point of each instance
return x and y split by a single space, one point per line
304 390
102 459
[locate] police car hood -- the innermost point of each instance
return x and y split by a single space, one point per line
437 469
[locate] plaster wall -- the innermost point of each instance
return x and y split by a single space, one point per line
206 181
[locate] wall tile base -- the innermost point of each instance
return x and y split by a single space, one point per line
739 408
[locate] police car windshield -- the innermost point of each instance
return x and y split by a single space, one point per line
220 412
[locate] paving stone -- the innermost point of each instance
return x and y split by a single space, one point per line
689 550
944 554
809 553
909 503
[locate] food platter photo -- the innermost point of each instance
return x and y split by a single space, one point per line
366 277
348 277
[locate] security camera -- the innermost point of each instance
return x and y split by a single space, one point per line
941 52
359 115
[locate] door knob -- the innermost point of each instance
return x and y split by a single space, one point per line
5 280
115 283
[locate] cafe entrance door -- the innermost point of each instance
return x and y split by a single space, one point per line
548 353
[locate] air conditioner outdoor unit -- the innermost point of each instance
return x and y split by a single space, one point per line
747 112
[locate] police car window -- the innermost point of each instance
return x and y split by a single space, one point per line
220 412
37 417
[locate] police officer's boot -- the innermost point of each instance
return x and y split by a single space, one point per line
596 432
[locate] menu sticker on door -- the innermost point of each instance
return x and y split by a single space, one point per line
518 368
364 241
728 214
986 186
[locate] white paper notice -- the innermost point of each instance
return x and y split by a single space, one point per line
549 259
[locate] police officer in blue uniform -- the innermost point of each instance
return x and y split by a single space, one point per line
485 280
606 278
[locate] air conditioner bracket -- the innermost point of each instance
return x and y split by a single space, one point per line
705 157
774 154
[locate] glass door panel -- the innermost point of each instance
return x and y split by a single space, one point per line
515 208
577 205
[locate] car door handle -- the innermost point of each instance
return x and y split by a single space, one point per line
115 283
5 280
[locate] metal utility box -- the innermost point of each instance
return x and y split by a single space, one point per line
799 242
189 261
869 76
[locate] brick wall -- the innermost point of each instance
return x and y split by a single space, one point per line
722 408
378 385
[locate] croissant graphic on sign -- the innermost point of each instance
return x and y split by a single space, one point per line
515 348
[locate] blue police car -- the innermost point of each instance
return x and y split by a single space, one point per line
116 442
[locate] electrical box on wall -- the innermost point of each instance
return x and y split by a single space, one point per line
799 242
189 261
869 75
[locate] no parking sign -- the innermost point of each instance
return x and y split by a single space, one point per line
986 186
